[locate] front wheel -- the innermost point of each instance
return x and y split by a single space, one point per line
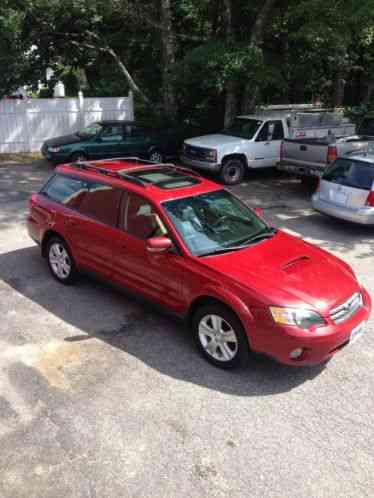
220 336
232 171
78 157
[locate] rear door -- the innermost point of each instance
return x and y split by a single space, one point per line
267 144
92 229
137 141
157 276
347 183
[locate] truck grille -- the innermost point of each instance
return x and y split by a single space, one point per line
346 310
196 152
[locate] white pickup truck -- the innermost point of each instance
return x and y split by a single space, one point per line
255 141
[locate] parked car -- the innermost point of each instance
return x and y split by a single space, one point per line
254 141
195 249
346 189
108 139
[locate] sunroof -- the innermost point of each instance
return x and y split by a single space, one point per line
165 178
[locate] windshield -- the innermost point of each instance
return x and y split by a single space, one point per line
215 222
243 128
90 130
367 127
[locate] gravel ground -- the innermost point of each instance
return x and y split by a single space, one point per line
103 397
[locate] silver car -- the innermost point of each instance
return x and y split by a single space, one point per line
346 189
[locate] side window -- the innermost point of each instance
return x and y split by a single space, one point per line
272 130
102 203
278 133
66 190
112 133
141 220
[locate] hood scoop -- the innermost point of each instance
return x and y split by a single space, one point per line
290 265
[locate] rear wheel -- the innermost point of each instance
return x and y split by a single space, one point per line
156 156
220 336
60 261
232 171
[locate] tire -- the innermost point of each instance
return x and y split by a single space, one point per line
61 262
232 171
78 156
156 156
209 324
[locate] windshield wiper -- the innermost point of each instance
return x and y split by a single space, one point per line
222 250
268 234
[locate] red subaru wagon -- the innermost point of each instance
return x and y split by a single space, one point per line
194 248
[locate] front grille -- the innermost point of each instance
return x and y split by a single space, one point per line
346 310
196 152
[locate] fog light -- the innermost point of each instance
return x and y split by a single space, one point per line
296 353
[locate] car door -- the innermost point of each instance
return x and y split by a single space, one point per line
137 141
158 277
108 143
93 227
267 144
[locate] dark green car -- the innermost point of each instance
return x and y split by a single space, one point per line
107 139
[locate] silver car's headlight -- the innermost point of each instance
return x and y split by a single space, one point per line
298 317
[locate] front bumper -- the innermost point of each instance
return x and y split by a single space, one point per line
363 216
52 156
205 165
279 341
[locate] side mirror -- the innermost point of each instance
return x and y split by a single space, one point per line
158 245
258 211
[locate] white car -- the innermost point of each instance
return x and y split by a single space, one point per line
346 189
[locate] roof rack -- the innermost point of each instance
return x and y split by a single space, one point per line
121 176
91 166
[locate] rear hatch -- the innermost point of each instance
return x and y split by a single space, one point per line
347 183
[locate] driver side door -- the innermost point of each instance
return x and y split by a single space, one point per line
157 276
267 144
107 144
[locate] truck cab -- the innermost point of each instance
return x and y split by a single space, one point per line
252 141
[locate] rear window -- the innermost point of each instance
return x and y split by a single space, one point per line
102 203
354 174
65 190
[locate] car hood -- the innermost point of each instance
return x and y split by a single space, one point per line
287 271
65 140
213 141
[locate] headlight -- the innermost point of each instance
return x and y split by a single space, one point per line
211 155
54 149
305 319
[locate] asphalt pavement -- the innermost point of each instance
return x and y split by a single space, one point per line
103 397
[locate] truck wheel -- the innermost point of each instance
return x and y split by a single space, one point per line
232 171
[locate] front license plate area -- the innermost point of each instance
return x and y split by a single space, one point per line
357 333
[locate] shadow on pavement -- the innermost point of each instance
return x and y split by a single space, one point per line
158 341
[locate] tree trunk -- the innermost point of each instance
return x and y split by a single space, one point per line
339 86
168 61
251 92
134 87
231 86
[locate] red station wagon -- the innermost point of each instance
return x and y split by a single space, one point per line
184 242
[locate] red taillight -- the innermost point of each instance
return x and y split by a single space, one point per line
332 153
318 185
370 199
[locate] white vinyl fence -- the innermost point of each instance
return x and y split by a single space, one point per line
26 124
